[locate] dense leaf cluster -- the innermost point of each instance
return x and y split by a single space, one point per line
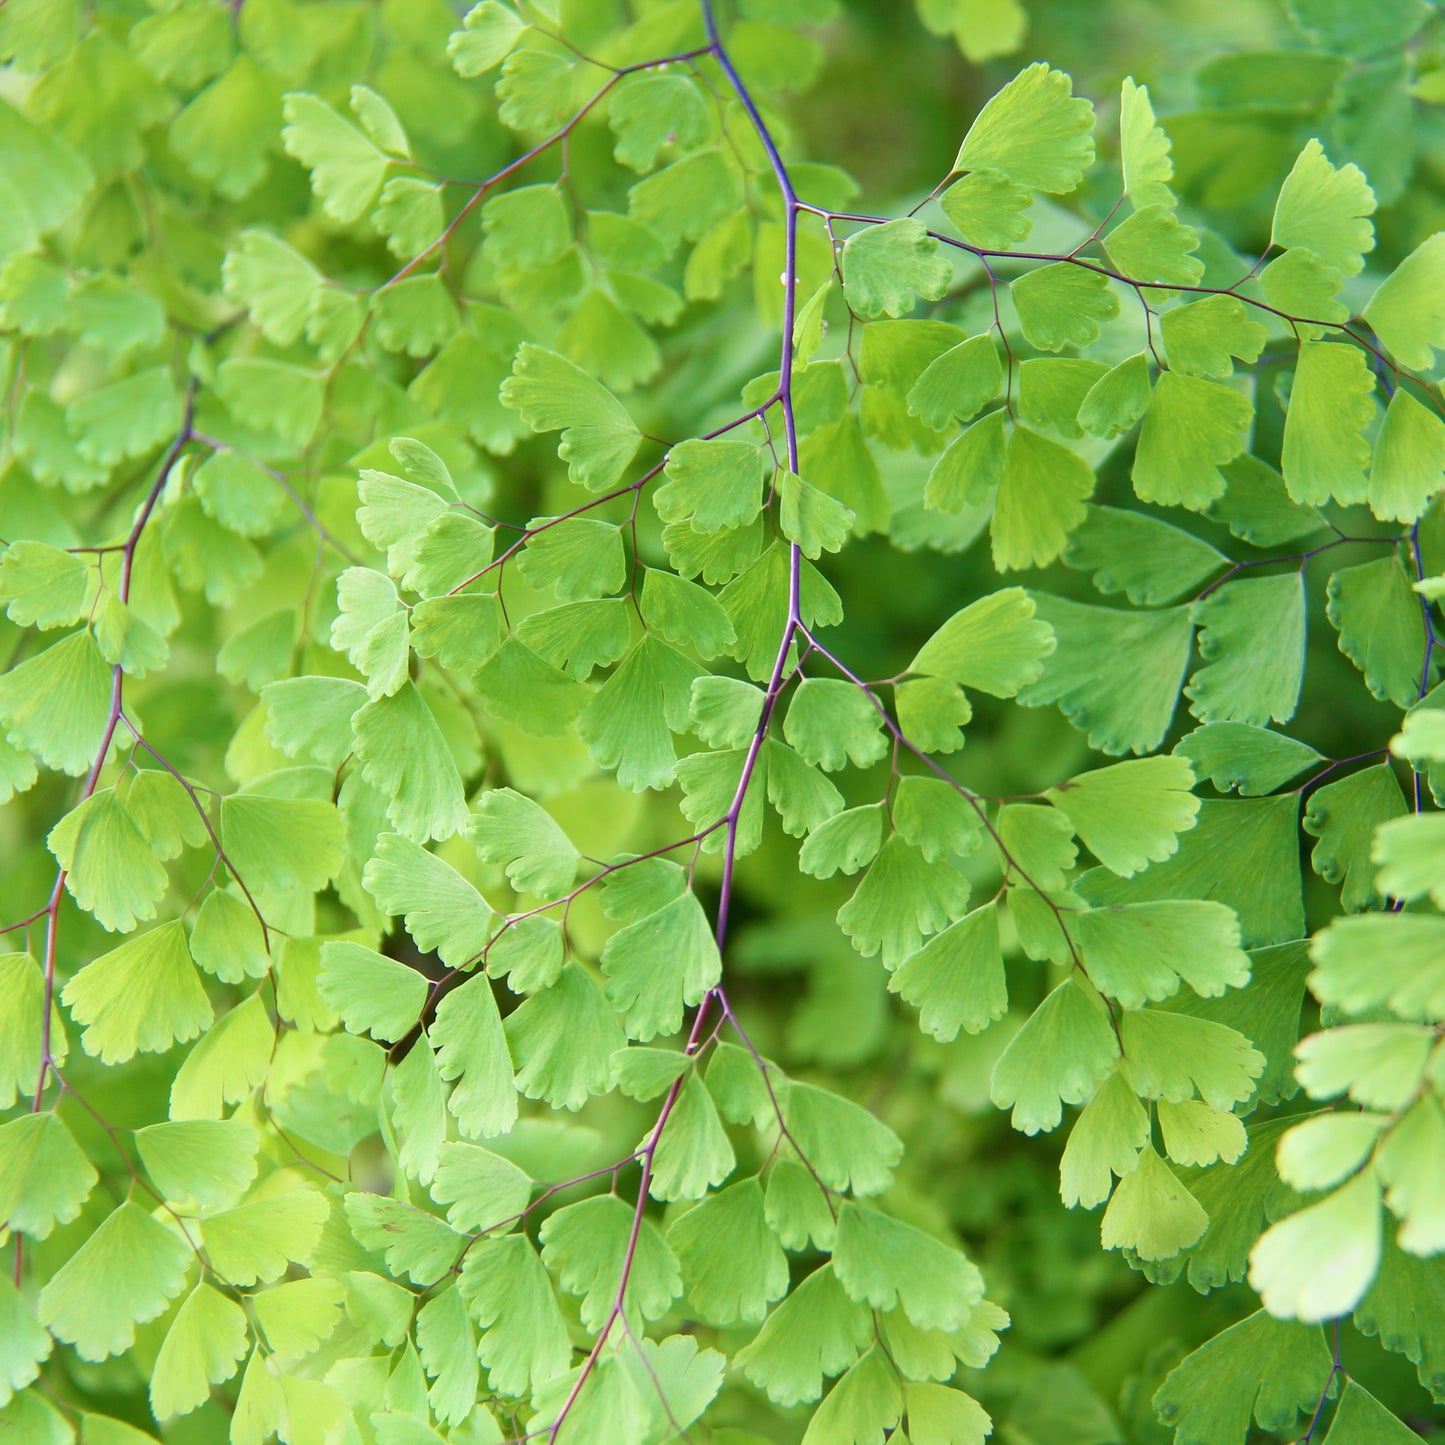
399 1042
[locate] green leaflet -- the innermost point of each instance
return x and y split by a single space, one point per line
1115 675
1404 310
1039 501
1325 455
1191 430
1035 131
359 673
1059 1056
1244 854
138 1264
1062 305
598 437
1143 148
1409 459
887 269
1381 628
1252 639
1326 211
1147 560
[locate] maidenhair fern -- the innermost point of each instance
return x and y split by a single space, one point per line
393 1045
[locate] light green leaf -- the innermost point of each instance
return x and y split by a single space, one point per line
278 841
1060 1056
523 1335
1152 1213
409 215
931 713
1035 130
511 829
847 1147
989 209
488 34
55 704
693 1153
1331 402
1252 638
1343 1230
888 268
1063 305
1143 149
124 1275
563 1039
111 870
996 644
957 979
346 167
629 723
204 1162
861 1407
598 436
712 485
843 843
1199 1134
1409 463
1381 627
526 228
1173 1055
443 912
141 997
1105 1141
47 1177
1141 951
226 1065
1040 500
416 1244
1153 245
275 283
259 1240
1115 675
832 723
887 1264
42 586
732 1264
649 113
817 522
585 1246
298 1316
1326 210
955 385
1406 311
372 994
1117 399
204 1346
1192 428
26 1346
1389 961
1253 760
971 467
1130 814
1343 816
816 1332
481 1190
685 614
1148 560
404 755
1204 337
659 964
902 899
